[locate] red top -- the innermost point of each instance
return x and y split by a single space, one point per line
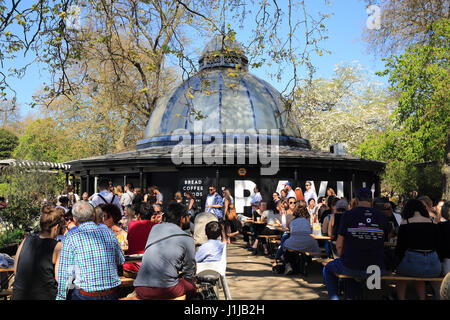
138 231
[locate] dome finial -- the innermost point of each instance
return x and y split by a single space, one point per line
223 51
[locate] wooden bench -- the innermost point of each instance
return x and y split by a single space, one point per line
126 282
5 294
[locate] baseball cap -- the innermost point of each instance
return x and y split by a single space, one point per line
342 204
287 184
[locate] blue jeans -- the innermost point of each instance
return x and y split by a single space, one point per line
76 295
331 280
280 249
423 265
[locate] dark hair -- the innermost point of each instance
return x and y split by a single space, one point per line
146 210
330 200
64 200
379 203
188 193
213 230
310 200
292 198
113 211
426 199
412 206
174 212
103 183
300 211
445 211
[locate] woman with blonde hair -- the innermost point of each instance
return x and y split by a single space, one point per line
35 267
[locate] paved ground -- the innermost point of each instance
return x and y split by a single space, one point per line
251 278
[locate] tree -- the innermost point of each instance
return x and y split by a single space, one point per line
420 79
8 142
348 107
44 140
402 23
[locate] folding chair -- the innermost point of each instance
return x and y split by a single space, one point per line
216 271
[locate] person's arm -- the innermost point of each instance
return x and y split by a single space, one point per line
55 259
188 269
340 245
330 226
191 203
16 260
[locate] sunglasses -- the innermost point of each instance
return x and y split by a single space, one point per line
307 185
292 202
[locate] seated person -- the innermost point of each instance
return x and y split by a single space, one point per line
138 231
300 237
168 265
357 252
273 219
111 218
417 244
335 218
212 249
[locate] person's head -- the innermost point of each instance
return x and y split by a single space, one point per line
292 202
51 222
82 212
118 190
341 205
178 197
256 189
69 189
103 184
64 201
311 202
227 194
300 211
330 192
176 213
364 196
155 189
111 215
213 230
146 211
322 200
426 201
283 193
308 185
158 213
445 210
212 190
129 211
275 196
98 214
263 206
353 203
128 187
287 186
412 206
190 195
85 196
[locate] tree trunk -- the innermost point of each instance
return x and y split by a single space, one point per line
446 171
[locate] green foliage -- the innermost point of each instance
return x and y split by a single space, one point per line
10 236
420 79
8 141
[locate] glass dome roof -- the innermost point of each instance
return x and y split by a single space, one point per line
222 97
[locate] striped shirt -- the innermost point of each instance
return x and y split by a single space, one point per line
89 259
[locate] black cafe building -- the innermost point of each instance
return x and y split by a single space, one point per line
241 114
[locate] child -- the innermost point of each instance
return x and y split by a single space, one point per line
211 250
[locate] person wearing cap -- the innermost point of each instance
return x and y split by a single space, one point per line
309 193
360 244
289 191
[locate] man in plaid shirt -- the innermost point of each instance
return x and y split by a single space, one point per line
89 259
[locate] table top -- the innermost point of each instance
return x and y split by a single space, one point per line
320 237
255 222
11 269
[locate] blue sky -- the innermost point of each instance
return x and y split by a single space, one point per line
344 31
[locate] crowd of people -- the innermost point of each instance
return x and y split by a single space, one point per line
79 251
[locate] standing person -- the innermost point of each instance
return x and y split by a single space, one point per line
85 197
330 192
89 260
214 204
159 195
322 207
417 245
360 243
35 266
227 203
191 205
312 209
128 195
309 193
289 192
105 196
72 196
256 198
169 251
118 191
111 218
